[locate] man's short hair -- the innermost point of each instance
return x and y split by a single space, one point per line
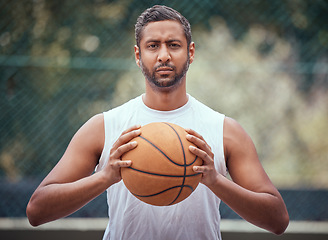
161 13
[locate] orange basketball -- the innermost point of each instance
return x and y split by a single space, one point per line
161 172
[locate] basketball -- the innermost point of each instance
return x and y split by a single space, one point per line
161 173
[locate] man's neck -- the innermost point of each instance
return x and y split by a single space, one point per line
165 101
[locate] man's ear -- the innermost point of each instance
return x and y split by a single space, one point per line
137 55
191 52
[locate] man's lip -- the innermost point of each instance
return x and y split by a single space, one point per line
164 69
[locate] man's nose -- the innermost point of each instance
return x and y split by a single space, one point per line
164 54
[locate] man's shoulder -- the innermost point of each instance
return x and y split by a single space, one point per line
129 105
203 108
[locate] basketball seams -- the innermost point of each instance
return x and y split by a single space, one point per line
164 175
184 185
155 194
181 144
167 157
157 148
184 165
182 147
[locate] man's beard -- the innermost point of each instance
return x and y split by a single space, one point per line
157 83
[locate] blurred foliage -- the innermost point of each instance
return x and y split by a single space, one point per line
262 62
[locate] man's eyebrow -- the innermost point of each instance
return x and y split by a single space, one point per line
174 40
158 41
152 41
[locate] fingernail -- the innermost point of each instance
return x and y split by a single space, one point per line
127 162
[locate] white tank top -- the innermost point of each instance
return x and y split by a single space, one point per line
196 217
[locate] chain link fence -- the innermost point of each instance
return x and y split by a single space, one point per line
264 63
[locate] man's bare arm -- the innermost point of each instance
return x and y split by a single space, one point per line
251 193
71 184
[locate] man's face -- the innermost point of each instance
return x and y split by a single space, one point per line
163 55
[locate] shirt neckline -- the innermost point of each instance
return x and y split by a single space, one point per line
165 114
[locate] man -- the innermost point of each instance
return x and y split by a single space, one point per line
164 51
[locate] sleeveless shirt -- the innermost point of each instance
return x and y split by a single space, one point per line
196 217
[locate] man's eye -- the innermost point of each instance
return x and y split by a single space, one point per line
152 46
174 45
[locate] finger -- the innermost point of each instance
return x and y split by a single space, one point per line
200 143
120 164
123 149
132 128
201 154
127 136
125 163
199 169
193 132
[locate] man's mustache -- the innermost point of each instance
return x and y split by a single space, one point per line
165 65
